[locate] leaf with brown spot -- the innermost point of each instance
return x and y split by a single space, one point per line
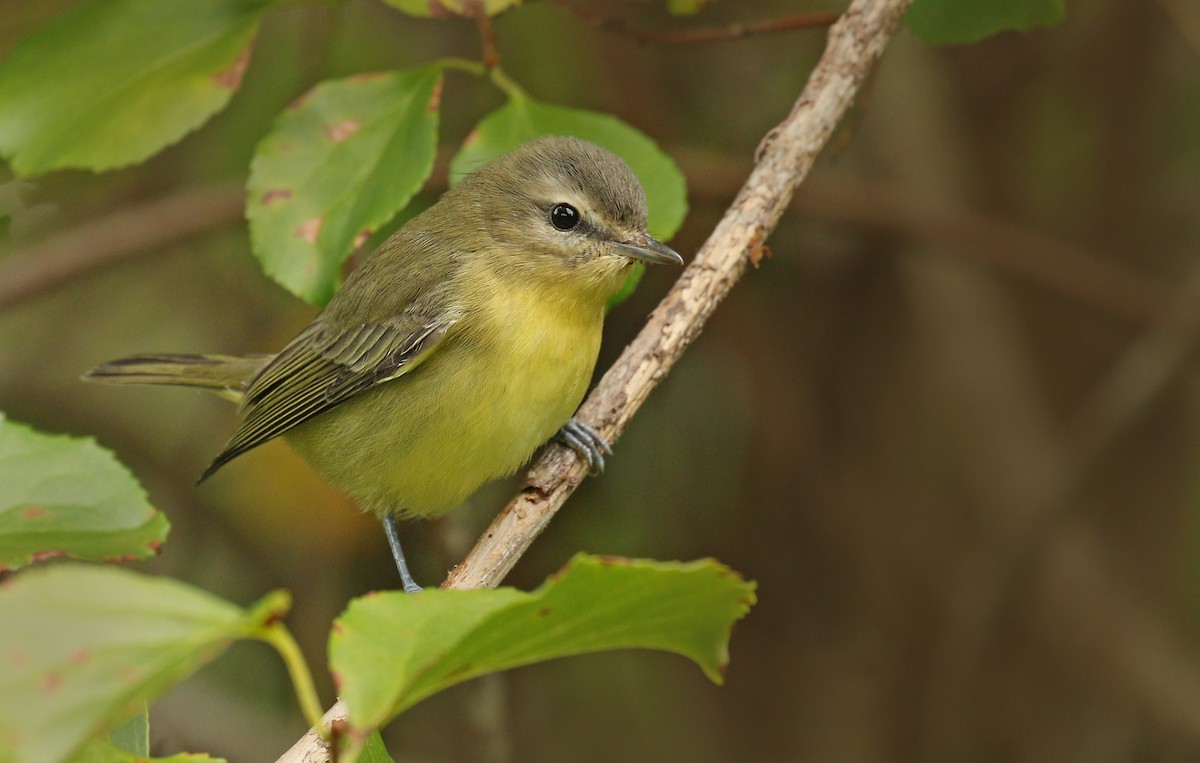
310 229
112 82
342 130
351 155
62 496
94 644
232 77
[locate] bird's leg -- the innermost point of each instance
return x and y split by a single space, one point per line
393 536
587 442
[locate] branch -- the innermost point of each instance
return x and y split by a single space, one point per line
786 155
699 36
114 238
487 40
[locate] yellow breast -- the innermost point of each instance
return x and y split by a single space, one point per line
515 369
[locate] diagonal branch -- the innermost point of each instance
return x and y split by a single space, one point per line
785 156
787 153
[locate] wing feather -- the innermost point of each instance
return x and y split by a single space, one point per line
322 368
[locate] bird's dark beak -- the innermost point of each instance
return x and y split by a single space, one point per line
645 249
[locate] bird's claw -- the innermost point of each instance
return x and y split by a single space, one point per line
587 442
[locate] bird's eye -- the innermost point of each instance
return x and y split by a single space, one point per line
564 216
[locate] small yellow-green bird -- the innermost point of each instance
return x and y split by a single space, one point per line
458 347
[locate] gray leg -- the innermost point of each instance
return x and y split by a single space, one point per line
389 527
587 442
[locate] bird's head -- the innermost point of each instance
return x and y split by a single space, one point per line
565 209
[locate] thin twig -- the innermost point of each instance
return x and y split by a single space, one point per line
788 152
116 237
487 38
735 31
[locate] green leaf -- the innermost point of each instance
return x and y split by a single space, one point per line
375 751
523 118
133 736
390 650
686 7
84 647
114 81
942 22
68 496
104 751
337 165
452 8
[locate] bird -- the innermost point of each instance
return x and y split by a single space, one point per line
458 347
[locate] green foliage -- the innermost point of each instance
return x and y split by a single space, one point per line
337 165
85 647
955 21
375 752
66 496
465 8
104 751
391 650
114 81
686 7
134 735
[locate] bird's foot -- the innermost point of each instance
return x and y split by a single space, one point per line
587 442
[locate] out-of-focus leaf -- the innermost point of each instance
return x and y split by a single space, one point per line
524 118
338 164
84 647
954 21
686 7
450 8
133 736
67 496
113 81
375 751
388 651
104 751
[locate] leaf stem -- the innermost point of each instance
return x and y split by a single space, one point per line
280 637
510 88
462 64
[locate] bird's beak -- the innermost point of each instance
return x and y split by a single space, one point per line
645 249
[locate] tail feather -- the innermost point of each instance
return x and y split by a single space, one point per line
226 375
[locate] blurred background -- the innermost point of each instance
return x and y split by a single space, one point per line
950 426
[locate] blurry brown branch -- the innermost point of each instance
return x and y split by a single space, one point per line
1186 18
1052 550
487 39
699 36
1020 250
116 237
787 153
1007 245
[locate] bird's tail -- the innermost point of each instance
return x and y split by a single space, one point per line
224 375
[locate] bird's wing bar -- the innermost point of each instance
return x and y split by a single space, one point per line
322 368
